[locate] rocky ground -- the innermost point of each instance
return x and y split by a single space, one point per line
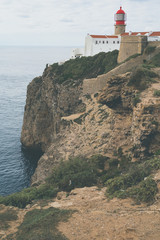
105 126
97 218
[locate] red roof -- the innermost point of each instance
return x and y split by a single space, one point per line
120 11
141 33
155 34
104 36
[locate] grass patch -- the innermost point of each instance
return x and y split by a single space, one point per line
156 93
42 224
6 217
85 67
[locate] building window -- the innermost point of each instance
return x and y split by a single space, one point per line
96 42
103 42
118 42
106 41
113 41
99 41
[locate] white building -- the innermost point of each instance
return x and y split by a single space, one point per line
101 43
95 44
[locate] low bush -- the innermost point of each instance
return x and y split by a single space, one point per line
136 100
85 67
42 224
6 217
125 185
21 199
76 173
144 192
141 78
150 49
156 93
155 61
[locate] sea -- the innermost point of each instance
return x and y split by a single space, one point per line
18 66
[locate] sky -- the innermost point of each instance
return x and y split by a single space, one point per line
67 22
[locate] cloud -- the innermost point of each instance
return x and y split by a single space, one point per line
73 19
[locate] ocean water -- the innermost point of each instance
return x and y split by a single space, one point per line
18 66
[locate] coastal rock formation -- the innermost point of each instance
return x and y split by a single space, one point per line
46 103
63 122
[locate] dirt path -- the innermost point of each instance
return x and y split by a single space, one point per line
99 219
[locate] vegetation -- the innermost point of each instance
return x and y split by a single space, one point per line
6 217
135 182
42 224
21 199
84 67
77 172
155 61
131 57
150 49
141 78
136 99
121 177
156 93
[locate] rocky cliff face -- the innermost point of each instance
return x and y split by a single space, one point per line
46 103
63 122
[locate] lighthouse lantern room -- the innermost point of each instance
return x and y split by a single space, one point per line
120 18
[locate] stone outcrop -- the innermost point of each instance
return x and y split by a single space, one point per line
46 103
64 122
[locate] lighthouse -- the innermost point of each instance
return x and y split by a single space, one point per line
120 18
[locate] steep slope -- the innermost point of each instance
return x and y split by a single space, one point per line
122 118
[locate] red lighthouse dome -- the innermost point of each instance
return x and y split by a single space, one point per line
120 11
120 17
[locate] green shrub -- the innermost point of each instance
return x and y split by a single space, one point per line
124 185
157 152
136 100
141 78
155 61
113 163
144 192
21 199
6 217
42 224
152 164
156 93
150 49
77 172
85 67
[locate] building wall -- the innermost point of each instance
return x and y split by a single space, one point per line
131 45
96 45
154 38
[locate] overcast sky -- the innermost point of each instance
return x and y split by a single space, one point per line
67 22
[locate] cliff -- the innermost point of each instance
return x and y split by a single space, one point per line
56 94
63 121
